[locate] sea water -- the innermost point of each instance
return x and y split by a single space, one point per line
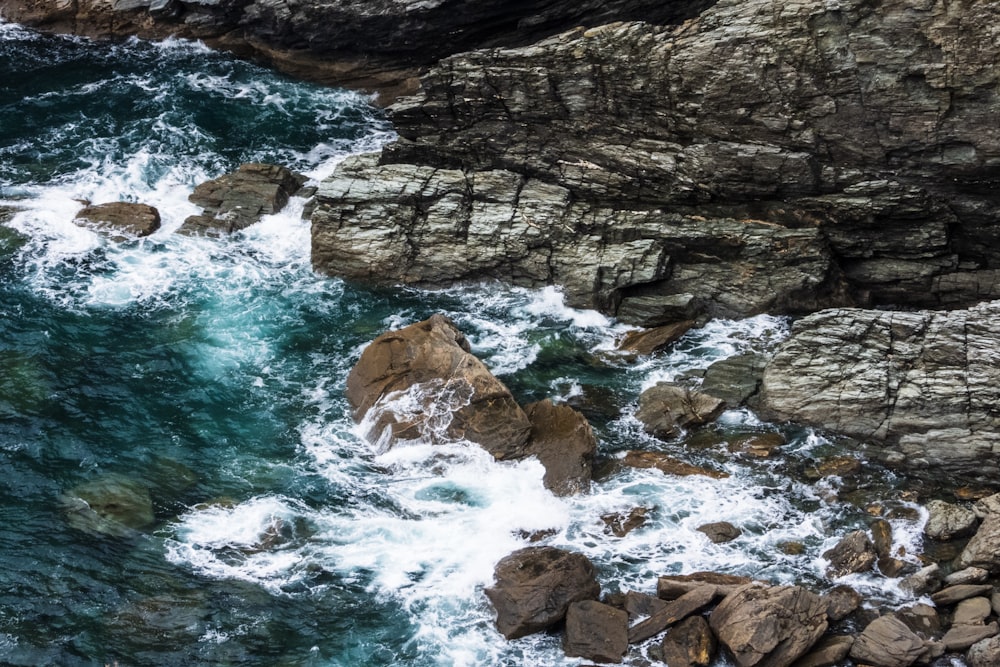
211 373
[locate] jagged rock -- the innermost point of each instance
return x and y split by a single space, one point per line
735 379
920 383
668 465
720 531
854 553
769 625
111 505
881 537
829 650
946 521
422 382
648 341
561 438
620 524
237 200
535 586
673 586
666 410
121 221
985 653
674 611
887 642
841 602
970 575
690 643
595 631
952 594
961 637
983 550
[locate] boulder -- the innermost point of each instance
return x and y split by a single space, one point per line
961 637
946 521
828 651
881 531
924 581
769 625
986 506
639 605
120 221
676 610
690 643
953 594
983 550
972 611
561 438
854 553
919 385
985 653
922 619
970 575
720 531
673 586
841 602
668 465
110 505
237 200
666 410
649 341
735 379
535 586
422 381
595 631
887 642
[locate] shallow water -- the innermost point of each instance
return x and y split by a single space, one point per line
211 373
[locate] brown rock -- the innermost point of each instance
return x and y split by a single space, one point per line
666 409
972 611
970 575
690 643
923 581
431 360
563 441
648 341
961 637
841 601
720 531
983 550
854 553
830 650
120 220
757 445
641 604
668 465
922 619
620 525
769 625
882 537
673 586
535 586
595 631
834 466
949 596
887 642
674 611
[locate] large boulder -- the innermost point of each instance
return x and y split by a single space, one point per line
422 382
120 220
596 631
563 441
921 386
535 586
887 642
666 409
769 625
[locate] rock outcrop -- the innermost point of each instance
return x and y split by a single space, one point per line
921 386
562 439
120 221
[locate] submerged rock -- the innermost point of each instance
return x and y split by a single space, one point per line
110 505
720 531
535 586
668 465
121 221
621 524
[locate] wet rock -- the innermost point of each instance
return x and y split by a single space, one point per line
668 465
881 531
735 379
961 637
854 553
947 521
451 394
666 410
769 625
841 602
621 524
909 376
237 200
887 642
640 604
121 221
673 586
561 438
595 631
834 466
674 611
111 505
924 581
649 341
985 653
970 575
949 596
690 643
535 586
720 531
983 550
757 445
791 548
829 650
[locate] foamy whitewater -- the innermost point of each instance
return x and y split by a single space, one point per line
213 371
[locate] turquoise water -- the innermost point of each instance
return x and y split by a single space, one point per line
205 377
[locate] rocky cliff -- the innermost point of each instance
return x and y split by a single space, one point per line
766 155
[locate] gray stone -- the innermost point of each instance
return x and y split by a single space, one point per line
985 653
924 581
961 637
986 506
983 550
735 379
970 575
887 642
922 619
947 521
972 611
953 594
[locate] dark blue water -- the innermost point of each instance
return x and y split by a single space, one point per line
191 389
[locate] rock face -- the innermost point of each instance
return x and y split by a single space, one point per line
770 626
563 441
535 586
922 385
235 201
120 220
423 382
765 155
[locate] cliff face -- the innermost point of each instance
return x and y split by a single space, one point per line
377 45
851 145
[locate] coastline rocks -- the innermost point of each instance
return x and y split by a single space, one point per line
946 521
668 465
121 221
920 385
648 341
854 553
423 382
595 631
773 625
735 379
237 200
887 642
535 586
562 439
983 550
666 410
690 643
720 531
